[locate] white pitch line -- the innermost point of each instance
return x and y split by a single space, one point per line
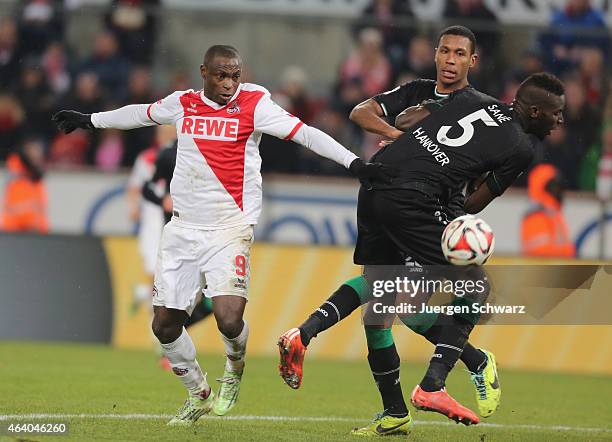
51 416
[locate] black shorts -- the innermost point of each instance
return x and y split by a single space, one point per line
400 227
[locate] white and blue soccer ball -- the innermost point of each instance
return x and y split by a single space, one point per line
467 240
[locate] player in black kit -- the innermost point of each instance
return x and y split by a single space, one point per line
448 142
164 169
537 111
455 55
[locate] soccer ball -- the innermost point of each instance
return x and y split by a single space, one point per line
467 240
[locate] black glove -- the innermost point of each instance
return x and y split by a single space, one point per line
68 121
366 172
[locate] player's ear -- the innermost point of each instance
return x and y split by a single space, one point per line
534 111
203 71
473 59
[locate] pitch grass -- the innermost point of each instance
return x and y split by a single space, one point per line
89 379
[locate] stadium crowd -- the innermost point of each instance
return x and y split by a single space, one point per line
40 73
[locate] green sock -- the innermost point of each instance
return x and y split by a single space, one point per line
378 338
361 287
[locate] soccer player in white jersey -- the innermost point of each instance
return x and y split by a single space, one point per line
216 191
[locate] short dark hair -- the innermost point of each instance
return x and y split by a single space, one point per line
544 81
222 51
461 31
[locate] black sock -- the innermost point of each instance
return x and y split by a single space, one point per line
337 307
473 358
451 341
199 312
385 366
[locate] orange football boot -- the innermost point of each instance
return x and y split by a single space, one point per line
291 352
442 402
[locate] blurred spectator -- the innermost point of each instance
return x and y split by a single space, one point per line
511 85
485 75
24 206
418 59
604 174
110 150
36 98
69 150
139 91
572 29
293 94
9 54
366 72
560 151
56 66
179 81
383 15
529 63
581 118
40 22
134 23
86 96
331 120
109 65
544 230
79 147
591 71
12 116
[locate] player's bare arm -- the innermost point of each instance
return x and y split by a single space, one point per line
479 199
411 116
368 115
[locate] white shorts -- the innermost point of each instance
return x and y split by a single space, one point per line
190 259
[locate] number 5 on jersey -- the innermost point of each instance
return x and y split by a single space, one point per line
468 128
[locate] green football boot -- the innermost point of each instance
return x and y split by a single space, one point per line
193 408
228 393
385 425
488 390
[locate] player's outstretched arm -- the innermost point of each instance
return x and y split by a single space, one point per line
368 115
165 111
273 120
324 145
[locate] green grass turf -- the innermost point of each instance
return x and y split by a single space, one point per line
73 379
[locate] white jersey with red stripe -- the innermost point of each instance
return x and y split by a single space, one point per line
217 179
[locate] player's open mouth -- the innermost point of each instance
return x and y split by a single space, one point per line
449 74
226 96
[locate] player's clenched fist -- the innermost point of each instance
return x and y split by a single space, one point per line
366 172
68 120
